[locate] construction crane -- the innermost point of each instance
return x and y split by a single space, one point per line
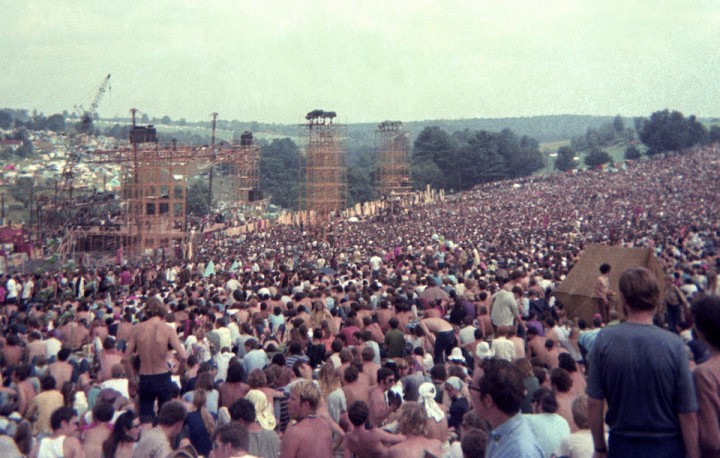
85 127
86 116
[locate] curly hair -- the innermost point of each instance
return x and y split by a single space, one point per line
413 419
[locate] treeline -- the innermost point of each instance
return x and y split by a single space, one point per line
467 158
608 134
663 132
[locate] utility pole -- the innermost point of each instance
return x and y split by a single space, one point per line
212 165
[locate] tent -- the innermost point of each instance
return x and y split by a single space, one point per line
575 292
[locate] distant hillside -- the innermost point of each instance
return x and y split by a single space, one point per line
542 128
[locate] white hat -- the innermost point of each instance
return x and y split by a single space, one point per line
456 355
455 382
484 351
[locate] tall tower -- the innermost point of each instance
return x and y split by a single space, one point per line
325 169
393 149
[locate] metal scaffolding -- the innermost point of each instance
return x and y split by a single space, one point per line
392 145
325 169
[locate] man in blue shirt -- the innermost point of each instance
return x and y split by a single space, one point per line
497 392
642 372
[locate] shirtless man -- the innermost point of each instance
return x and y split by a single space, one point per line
379 407
536 345
412 424
125 329
355 389
441 332
93 437
61 369
364 441
151 339
384 313
78 335
25 389
35 347
302 407
108 358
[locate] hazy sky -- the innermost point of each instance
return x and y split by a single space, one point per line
407 60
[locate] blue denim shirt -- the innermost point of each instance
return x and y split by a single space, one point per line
513 439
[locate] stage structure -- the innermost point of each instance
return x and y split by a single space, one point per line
392 146
325 169
150 208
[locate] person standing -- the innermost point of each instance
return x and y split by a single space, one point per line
650 394
601 292
151 339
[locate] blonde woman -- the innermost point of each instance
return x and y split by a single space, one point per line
413 424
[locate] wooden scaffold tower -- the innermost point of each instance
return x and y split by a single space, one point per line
154 180
392 145
325 170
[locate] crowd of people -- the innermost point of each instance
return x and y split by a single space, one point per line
423 331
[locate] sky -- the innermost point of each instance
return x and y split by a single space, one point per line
407 60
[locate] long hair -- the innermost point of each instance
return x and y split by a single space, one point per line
199 400
119 433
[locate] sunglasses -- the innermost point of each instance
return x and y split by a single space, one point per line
474 388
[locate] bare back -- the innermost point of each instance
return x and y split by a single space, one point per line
151 339
295 443
415 447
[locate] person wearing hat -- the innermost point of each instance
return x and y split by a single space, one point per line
483 352
458 404
263 411
437 425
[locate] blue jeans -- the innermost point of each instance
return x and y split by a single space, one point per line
151 388
635 447
444 342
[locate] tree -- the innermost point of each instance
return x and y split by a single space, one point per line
670 131
196 200
279 170
56 123
426 173
632 153
166 120
618 124
597 157
360 184
436 146
22 190
6 119
714 135
565 159
25 150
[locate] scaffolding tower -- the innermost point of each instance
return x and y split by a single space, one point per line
154 191
325 169
392 145
244 170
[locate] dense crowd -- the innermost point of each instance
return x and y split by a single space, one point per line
424 331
